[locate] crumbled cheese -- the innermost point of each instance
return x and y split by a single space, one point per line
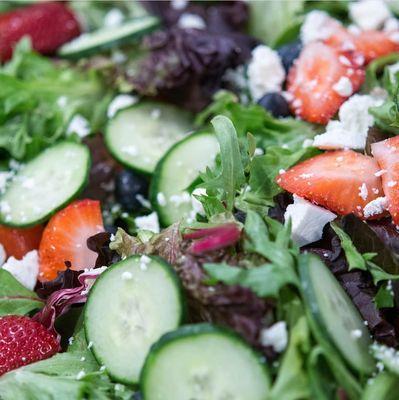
259 152
178 4
179 199
144 262
317 26
79 125
265 72
25 271
375 207
71 340
196 204
3 255
275 336
369 14
307 143
113 17
118 57
161 200
148 222
307 220
391 25
352 128
126 276
191 21
343 87
4 177
62 101
380 172
119 103
356 334
81 374
363 191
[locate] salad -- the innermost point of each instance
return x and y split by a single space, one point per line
199 200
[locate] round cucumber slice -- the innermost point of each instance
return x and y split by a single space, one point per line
45 184
334 312
106 38
131 305
203 362
140 135
176 171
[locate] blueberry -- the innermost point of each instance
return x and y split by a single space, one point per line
240 216
289 53
129 187
276 104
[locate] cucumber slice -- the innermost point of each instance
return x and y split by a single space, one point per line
140 135
131 305
335 314
45 184
177 170
203 362
106 38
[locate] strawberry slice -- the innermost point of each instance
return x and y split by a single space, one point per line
18 242
24 341
374 44
342 181
387 155
48 24
313 78
64 239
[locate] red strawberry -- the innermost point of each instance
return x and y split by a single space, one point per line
387 155
312 79
17 242
374 44
49 25
342 181
24 341
64 238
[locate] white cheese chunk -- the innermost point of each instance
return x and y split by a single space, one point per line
343 87
307 220
191 21
369 14
79 125
148 222
113 17
316 27
352 128
265 72
25 271
275 336
375 207
119 103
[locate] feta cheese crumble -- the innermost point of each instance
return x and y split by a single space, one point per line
119 103
307 220
363 191
265 72
316 27
113 17
375 207
25 271
275 336
352 128
191 21
79 125
148 222
343 87
369 14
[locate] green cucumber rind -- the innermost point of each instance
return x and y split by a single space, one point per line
188 331
174 278
76 53
156 178
315 315
79 190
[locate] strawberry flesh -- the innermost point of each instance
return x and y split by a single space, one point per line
24 341
48 24
65 236
312 79
387 155
17 242
341 181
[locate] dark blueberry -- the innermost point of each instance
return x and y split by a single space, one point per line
276 104
111 229
289 53
240 216
129 189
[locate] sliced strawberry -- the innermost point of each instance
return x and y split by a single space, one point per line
24 341
64 239
312 79
48 24
18 242
374 44
341 181
387 155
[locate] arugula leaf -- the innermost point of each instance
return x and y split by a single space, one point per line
376 70
384 297
38 99
15 298
384 386
231 177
